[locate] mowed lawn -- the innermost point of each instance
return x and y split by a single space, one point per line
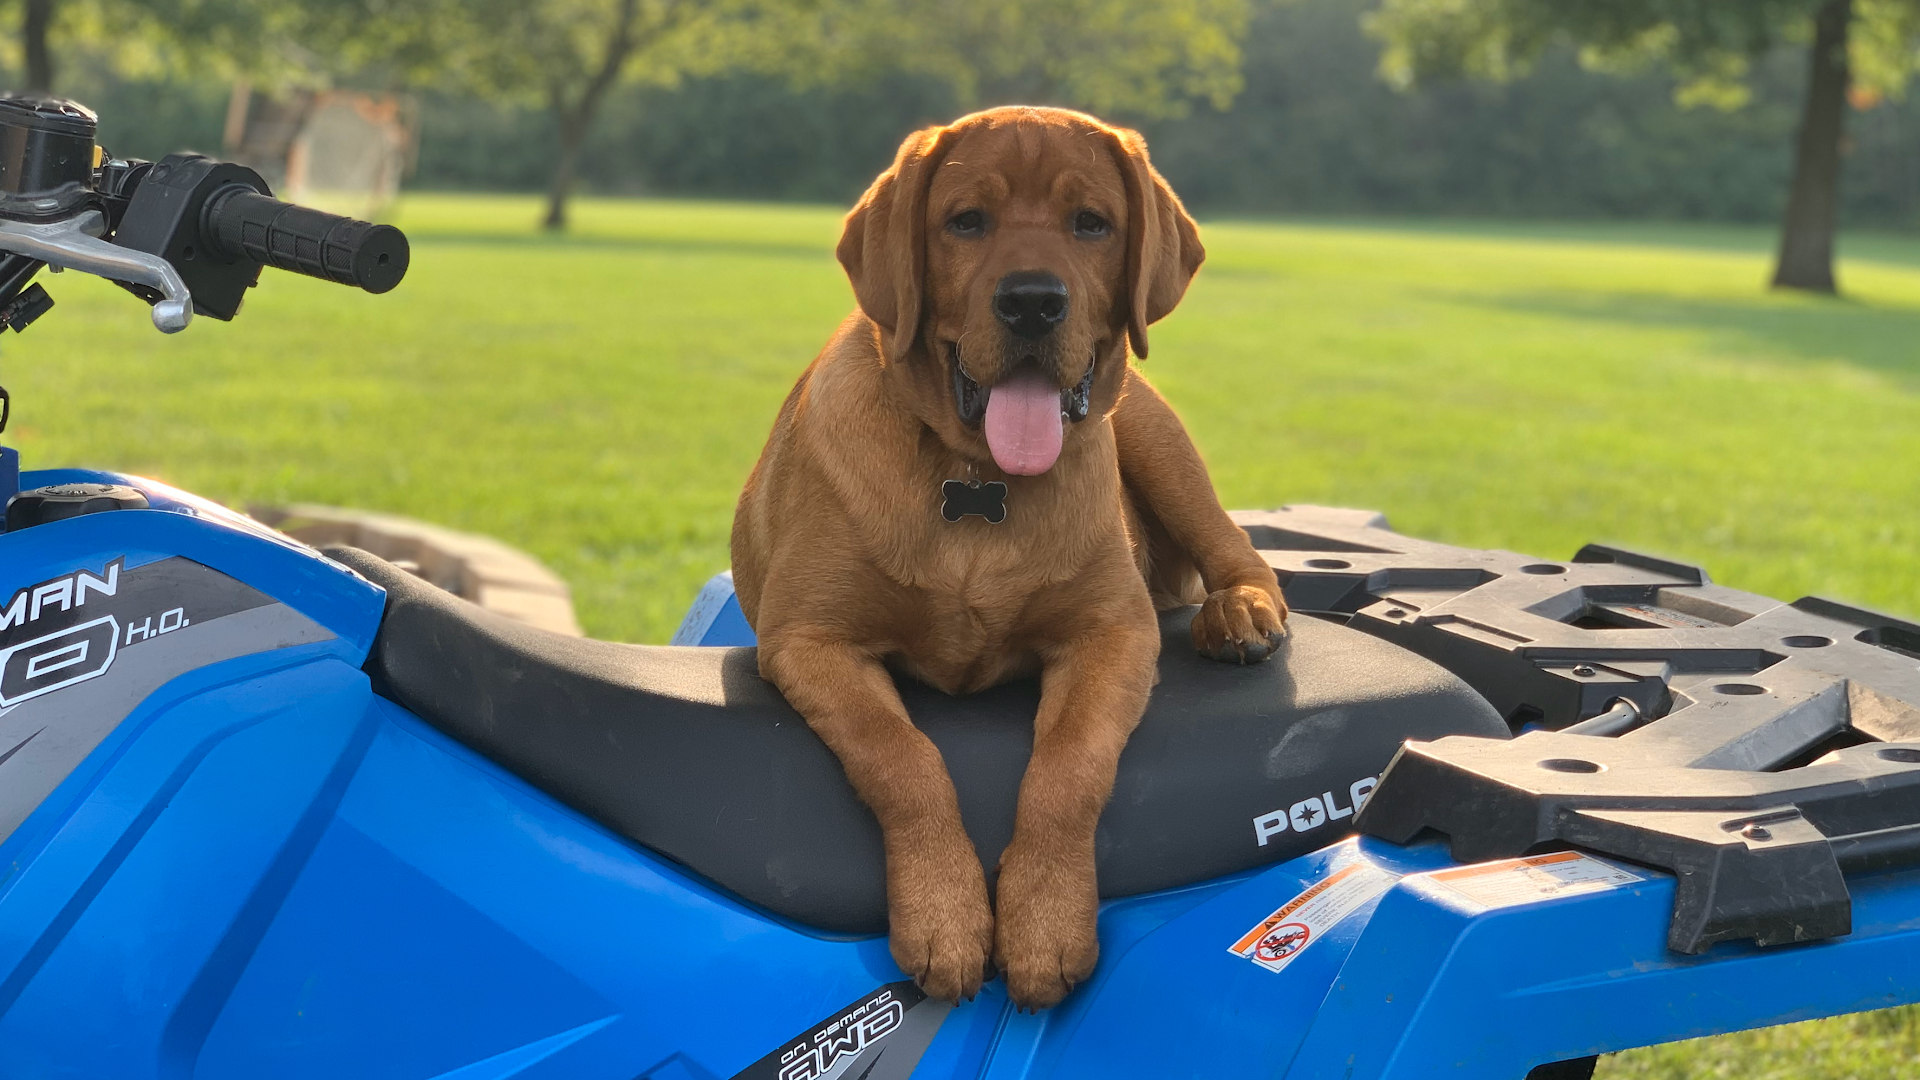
598 399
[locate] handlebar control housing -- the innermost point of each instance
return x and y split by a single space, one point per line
218 224
165 218
187 234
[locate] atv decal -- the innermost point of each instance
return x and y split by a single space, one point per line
1305 919
882 1034
1312 811
150 600
56 595
57 660
80 651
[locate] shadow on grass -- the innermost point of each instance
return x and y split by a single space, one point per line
1879 338
672 245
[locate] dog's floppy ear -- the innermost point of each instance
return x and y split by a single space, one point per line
1163 245
884 244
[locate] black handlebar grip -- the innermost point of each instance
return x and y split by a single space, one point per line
242 223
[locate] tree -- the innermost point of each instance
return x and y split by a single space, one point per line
36 44
274 42
568 54
1143 56
1868 44
35 25
1148 58
563 54
1140 57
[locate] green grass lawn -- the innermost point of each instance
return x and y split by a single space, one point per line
598 400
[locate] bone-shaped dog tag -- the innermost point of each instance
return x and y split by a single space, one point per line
988 500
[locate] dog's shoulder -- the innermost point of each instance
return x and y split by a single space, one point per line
839 457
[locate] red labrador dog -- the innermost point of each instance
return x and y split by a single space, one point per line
971 484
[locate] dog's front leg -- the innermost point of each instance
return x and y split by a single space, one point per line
941 927
1093 690
1244 616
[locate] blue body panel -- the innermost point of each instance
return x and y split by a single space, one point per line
267 870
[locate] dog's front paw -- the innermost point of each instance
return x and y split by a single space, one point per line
1045 941
941 926
1240 625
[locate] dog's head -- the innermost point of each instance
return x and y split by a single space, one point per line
1007 259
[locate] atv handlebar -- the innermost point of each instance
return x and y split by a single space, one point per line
187 234
241 223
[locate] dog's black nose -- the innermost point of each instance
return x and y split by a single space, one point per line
1030 302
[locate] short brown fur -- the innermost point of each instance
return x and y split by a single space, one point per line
844 565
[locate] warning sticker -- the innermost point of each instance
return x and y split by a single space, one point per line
1512 882
1304 919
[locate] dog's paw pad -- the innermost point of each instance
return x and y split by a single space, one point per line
1251 652
1041 985
942 932
1046 941
949 963
1240 625
1043 958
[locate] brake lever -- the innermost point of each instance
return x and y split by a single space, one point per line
75 243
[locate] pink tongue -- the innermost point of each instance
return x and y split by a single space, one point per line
1023 424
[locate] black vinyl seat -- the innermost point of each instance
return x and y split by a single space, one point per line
687 752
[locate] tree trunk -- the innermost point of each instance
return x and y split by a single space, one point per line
573 134
1813 206
576 120
33 32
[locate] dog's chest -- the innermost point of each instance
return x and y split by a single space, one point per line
986 572
970 625
961 647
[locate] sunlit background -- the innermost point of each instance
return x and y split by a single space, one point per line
1518 273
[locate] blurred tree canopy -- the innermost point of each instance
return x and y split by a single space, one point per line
1857 46
1142 57
1145 56
273 41
1312 130
569 54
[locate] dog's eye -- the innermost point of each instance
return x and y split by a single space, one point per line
1089 224
968 223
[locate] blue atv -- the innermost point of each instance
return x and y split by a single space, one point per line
267 811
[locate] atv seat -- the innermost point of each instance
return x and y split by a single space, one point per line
687 752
